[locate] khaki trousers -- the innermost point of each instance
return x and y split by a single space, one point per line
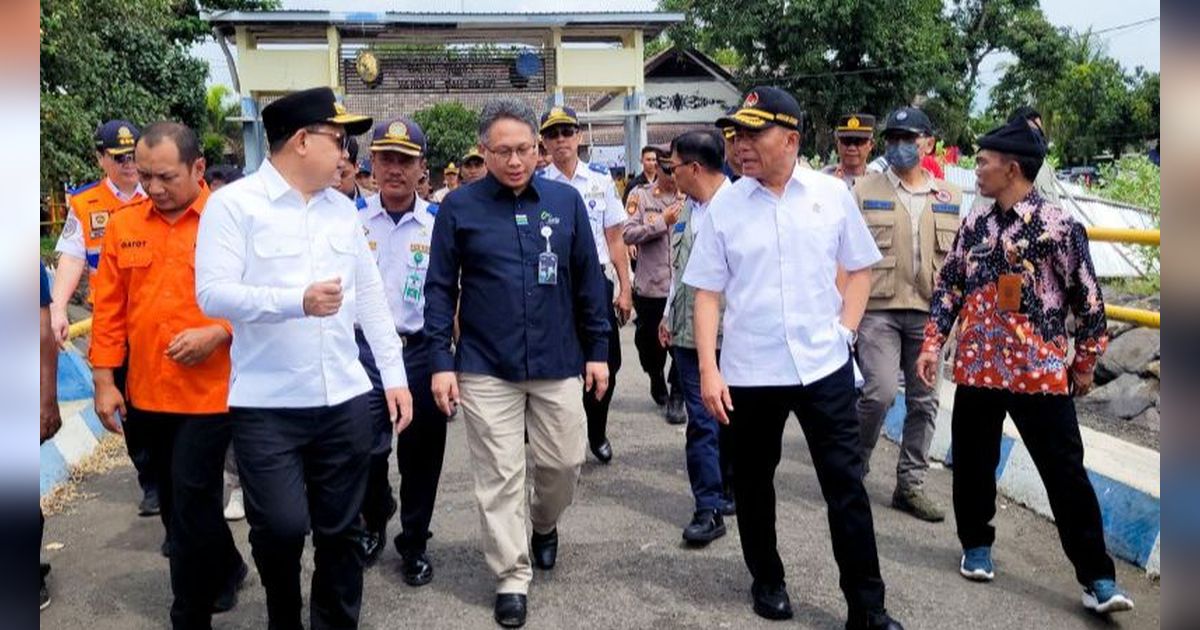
497 414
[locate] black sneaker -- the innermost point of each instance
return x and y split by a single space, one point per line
706 526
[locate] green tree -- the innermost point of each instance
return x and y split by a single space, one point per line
451 129
833 55
221 135
105 60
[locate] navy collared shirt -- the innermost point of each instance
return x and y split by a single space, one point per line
512 327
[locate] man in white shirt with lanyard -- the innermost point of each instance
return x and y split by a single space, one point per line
771 244
560 133
399 227
282 256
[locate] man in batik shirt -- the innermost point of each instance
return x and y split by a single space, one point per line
1016 269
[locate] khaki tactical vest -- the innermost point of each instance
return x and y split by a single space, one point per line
683 302
894 284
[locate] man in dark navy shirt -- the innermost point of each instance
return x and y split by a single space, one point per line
534 331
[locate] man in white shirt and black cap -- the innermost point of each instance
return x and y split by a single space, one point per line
281 255
772 244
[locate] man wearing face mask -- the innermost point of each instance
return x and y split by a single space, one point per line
913 218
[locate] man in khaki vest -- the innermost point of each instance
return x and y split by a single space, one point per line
913 218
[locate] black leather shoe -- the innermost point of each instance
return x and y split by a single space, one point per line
165 549
771 602
728 507
229 597
878 621
510 610
602 451
676 412
149 505
545 549
372 546
416 569
706 526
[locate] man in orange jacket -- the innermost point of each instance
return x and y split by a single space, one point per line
179 367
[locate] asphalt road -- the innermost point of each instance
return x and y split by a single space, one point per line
621 562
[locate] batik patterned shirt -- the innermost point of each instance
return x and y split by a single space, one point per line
1023 350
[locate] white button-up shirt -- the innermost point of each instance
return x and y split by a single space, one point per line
775 259
402 253
260 245
599 194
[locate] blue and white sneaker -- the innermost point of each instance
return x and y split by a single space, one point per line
976 564
1104 596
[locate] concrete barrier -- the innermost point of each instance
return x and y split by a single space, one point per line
81 429
1125 476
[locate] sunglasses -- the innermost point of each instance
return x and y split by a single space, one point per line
854 142
669 169
554 133
342 139
122 158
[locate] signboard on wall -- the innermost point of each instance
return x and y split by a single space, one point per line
483 69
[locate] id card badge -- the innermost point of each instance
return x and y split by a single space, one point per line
547 268
414 286
1009 292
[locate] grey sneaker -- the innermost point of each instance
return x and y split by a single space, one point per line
916 503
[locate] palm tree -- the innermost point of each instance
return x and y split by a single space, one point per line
221 137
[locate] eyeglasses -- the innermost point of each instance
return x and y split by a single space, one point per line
669 168
506 153
342 140
553 133
854 142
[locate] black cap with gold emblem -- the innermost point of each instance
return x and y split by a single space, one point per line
855 126
117 137
291 113
559 116
763 106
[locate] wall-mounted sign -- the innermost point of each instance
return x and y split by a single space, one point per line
483 70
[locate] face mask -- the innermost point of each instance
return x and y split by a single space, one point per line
902 155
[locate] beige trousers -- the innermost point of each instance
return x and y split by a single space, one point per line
497 414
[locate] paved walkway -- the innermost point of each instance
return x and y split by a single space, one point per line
621 563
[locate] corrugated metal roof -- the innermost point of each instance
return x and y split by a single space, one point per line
1111 259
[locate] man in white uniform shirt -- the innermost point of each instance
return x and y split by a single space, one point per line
772 244
399 227
560 133
282 256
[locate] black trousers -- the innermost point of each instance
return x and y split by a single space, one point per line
189 456
597 410
302 466
651 354
1050 431
826 412
137 438
420 448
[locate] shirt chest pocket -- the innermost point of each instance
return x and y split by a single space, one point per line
134 257
279 260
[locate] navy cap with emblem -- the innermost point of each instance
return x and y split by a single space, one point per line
559 116
1015 137
909 119
117 137
855 126
293 112
762 107
401 135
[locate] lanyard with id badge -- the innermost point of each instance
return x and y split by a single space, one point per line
547 261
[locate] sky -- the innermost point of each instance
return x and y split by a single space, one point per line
1131 47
